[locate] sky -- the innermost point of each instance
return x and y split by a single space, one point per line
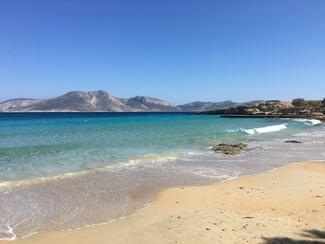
177 50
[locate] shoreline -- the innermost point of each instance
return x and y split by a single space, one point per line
243 116
157 217
146 205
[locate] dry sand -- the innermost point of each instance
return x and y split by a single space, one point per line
281 205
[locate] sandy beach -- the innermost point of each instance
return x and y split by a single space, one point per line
286 205
162 122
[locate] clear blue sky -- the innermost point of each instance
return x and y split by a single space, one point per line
178 50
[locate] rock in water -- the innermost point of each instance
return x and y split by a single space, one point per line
292 141
229 149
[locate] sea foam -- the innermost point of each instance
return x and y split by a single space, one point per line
266 129
309 122
261 130
9 234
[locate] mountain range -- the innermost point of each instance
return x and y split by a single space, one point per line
101 101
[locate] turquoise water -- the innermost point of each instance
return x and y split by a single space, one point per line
41 145
68 170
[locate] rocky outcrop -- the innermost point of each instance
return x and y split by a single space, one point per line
276 109
229 149
293 141
266 108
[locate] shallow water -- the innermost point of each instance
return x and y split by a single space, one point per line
68 170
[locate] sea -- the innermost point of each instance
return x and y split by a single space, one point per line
62 171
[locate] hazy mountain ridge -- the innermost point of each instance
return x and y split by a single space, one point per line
208 106
101 101
16 103
96 101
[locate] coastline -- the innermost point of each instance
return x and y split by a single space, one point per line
243 116
287 202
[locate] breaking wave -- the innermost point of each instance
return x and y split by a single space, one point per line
309 122
260 130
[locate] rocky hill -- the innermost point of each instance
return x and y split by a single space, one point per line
17 103
101 101
142 103
97 101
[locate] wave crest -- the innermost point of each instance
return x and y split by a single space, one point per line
261 130
309 122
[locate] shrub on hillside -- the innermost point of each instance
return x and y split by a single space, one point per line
299 102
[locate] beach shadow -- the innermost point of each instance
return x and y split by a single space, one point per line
316 236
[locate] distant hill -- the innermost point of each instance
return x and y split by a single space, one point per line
17 103
101 101
209 106
96 101
206 106
142 103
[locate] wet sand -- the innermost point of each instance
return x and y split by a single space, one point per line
283 205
